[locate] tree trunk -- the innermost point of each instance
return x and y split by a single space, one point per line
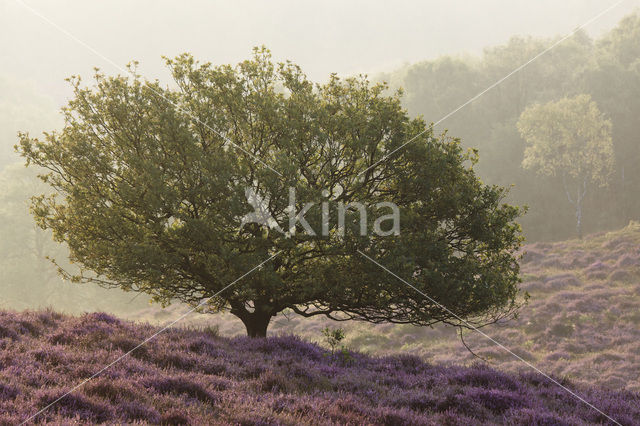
256 323
578 201
581 193
256 320
579 220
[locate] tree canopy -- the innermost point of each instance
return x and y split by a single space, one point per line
569 138
150 186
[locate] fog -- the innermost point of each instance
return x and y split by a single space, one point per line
405 43
322 37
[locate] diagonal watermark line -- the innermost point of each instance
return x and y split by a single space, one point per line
121 69
153 336
492 339
547 50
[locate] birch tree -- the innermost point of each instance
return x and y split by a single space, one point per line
569 138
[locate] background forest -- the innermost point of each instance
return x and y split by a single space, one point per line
607 69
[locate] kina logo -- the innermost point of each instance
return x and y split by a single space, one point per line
262 215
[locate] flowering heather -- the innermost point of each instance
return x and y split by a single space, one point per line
189 376
582 321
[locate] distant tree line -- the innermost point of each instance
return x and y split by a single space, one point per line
607 69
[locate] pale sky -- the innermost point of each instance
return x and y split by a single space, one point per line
330 36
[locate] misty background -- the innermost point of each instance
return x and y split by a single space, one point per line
442 53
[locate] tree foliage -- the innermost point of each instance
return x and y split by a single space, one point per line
569 138
151 182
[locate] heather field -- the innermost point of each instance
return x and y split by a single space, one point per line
332 214
582 321
187 376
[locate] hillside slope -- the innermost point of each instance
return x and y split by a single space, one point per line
194 377
582 321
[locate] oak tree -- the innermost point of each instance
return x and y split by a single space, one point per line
151 185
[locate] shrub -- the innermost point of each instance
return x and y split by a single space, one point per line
496 400
115 391
134 410
101 317
272 381
627 261
181 386
333 337
620 275
74 405
557 282
481 376
561 328
174 418
205 346
8 392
